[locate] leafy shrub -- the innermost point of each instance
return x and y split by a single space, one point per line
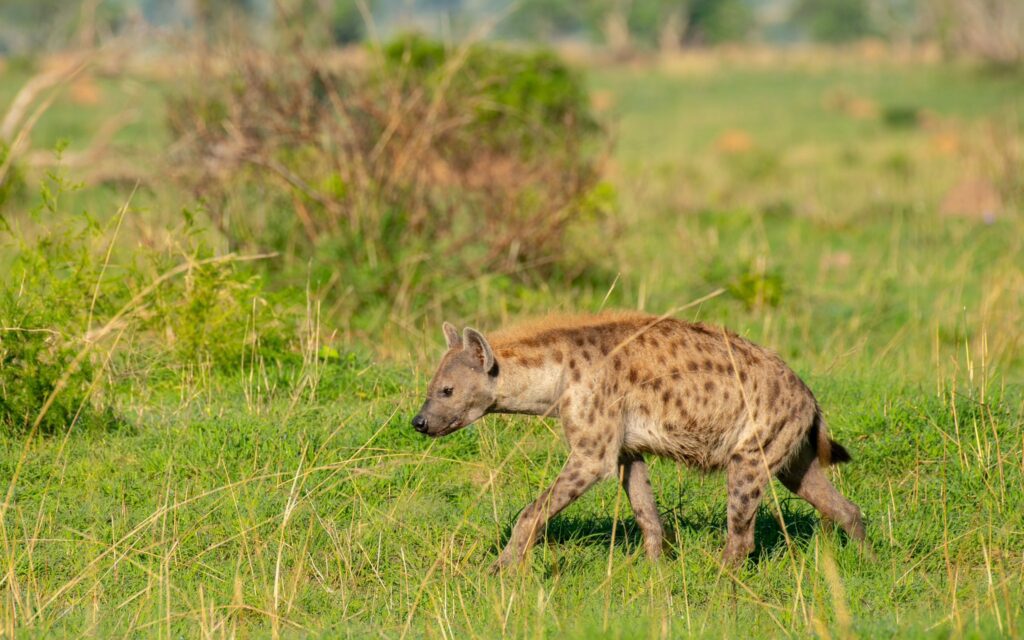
218 313
426 164
66 296
12 184
519 94
47 308
753 284
901 116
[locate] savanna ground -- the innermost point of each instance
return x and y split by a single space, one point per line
811 204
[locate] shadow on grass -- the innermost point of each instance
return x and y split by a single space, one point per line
769 538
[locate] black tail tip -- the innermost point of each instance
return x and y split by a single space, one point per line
839 454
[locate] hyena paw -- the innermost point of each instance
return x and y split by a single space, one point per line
735 555
505 561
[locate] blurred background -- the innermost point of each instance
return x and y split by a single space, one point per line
843 177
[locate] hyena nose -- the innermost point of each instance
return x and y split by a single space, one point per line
419 423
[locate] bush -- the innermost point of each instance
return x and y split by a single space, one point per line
425 164
47 309
68 302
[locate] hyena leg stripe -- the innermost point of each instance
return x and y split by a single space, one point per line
637 484
746 482
575 478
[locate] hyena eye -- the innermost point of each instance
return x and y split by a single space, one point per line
446 392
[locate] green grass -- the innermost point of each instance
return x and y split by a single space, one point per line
294 498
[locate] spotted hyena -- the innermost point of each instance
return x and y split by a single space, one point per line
629 384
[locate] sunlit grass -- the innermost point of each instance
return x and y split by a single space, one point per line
292 498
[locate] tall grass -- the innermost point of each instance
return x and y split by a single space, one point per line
252 472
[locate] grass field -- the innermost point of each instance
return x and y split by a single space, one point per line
289 496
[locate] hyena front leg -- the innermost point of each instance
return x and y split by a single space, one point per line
579 474
637 483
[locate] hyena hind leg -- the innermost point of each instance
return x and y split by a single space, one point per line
806 478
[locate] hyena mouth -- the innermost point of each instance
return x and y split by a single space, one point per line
452 426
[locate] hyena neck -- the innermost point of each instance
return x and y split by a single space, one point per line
527 383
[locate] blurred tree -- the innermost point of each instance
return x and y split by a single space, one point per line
213 16
991 30
627 24
834 20
28 25
718 21
544 20
347 24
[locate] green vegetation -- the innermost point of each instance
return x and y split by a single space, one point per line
243 463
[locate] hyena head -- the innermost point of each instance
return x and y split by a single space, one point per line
463 389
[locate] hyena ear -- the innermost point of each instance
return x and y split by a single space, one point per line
478 343
451 336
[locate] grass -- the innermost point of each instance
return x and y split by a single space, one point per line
292 498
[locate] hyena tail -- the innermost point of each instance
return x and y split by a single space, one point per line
829 451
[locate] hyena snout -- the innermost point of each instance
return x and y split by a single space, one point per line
419 423
436 421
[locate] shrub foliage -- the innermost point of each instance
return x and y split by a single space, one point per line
474 160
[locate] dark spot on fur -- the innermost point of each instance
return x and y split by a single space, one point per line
576 375
557 355
666 396
699 328
656 384
617 363
743 376
692 366
572 363
709 386
632 376
578 341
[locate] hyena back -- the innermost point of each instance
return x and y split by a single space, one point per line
630 384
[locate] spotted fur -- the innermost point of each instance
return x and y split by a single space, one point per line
629 384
